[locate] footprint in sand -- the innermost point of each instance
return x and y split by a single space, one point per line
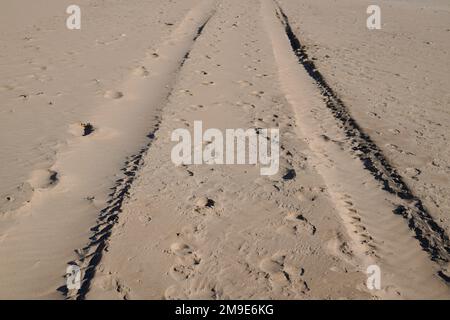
309 194
199 288
270 266
204 202
339 247
196 107
413 173
186 91
202 72
141 71
180 272
258 94
174 293
185 255
204 206
122 290
245 83
247 106
87 129
181 249
186 262
7 87
110 283
283 276
287 230
299 219
113 94
16 197
184 172
250 68
43 179
81 129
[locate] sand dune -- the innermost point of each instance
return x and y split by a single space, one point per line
87 119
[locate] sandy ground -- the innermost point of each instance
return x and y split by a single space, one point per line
56 80
396 82
86 121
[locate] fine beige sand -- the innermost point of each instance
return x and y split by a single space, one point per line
87 178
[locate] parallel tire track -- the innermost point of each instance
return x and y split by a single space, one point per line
90 256
433 239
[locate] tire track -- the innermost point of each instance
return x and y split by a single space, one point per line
436 242
337 142
224 231
180 45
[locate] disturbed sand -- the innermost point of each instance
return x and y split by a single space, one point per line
86 123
